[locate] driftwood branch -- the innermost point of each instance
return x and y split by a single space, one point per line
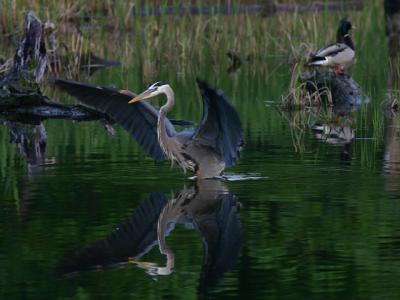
20 95
39 107
31 48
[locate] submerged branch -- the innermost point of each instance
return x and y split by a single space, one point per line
39 107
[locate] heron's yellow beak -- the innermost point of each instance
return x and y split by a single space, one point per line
136 99
146 94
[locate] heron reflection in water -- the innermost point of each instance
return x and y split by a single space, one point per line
205 150
207 206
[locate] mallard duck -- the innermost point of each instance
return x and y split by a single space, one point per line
338 55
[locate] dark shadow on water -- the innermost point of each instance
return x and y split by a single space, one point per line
207 206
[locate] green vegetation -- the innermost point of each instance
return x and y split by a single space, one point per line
317 226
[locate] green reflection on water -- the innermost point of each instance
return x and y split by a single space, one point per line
318 225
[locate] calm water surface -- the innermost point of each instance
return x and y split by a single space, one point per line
322 222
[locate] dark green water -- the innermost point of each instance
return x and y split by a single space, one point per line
323 222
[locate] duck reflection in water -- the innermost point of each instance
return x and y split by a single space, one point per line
208 206
328 125
337 130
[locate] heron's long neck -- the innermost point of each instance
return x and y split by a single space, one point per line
162 131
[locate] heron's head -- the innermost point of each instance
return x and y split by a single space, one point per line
153 90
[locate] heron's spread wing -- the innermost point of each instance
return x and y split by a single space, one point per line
220 127
139 119
133 238
222 233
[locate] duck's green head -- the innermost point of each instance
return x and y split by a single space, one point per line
344 28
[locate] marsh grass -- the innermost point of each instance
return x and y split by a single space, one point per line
304 93
189 43
299 123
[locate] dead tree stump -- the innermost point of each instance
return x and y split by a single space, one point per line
344 89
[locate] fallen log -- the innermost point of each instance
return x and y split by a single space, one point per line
35 105
54 111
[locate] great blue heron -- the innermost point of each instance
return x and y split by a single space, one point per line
205 150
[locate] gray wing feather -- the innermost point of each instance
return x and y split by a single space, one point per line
220 127
330 50
139 119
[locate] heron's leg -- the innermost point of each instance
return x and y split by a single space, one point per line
220 177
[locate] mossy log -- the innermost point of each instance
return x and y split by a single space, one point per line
344 89
314 88
35 106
